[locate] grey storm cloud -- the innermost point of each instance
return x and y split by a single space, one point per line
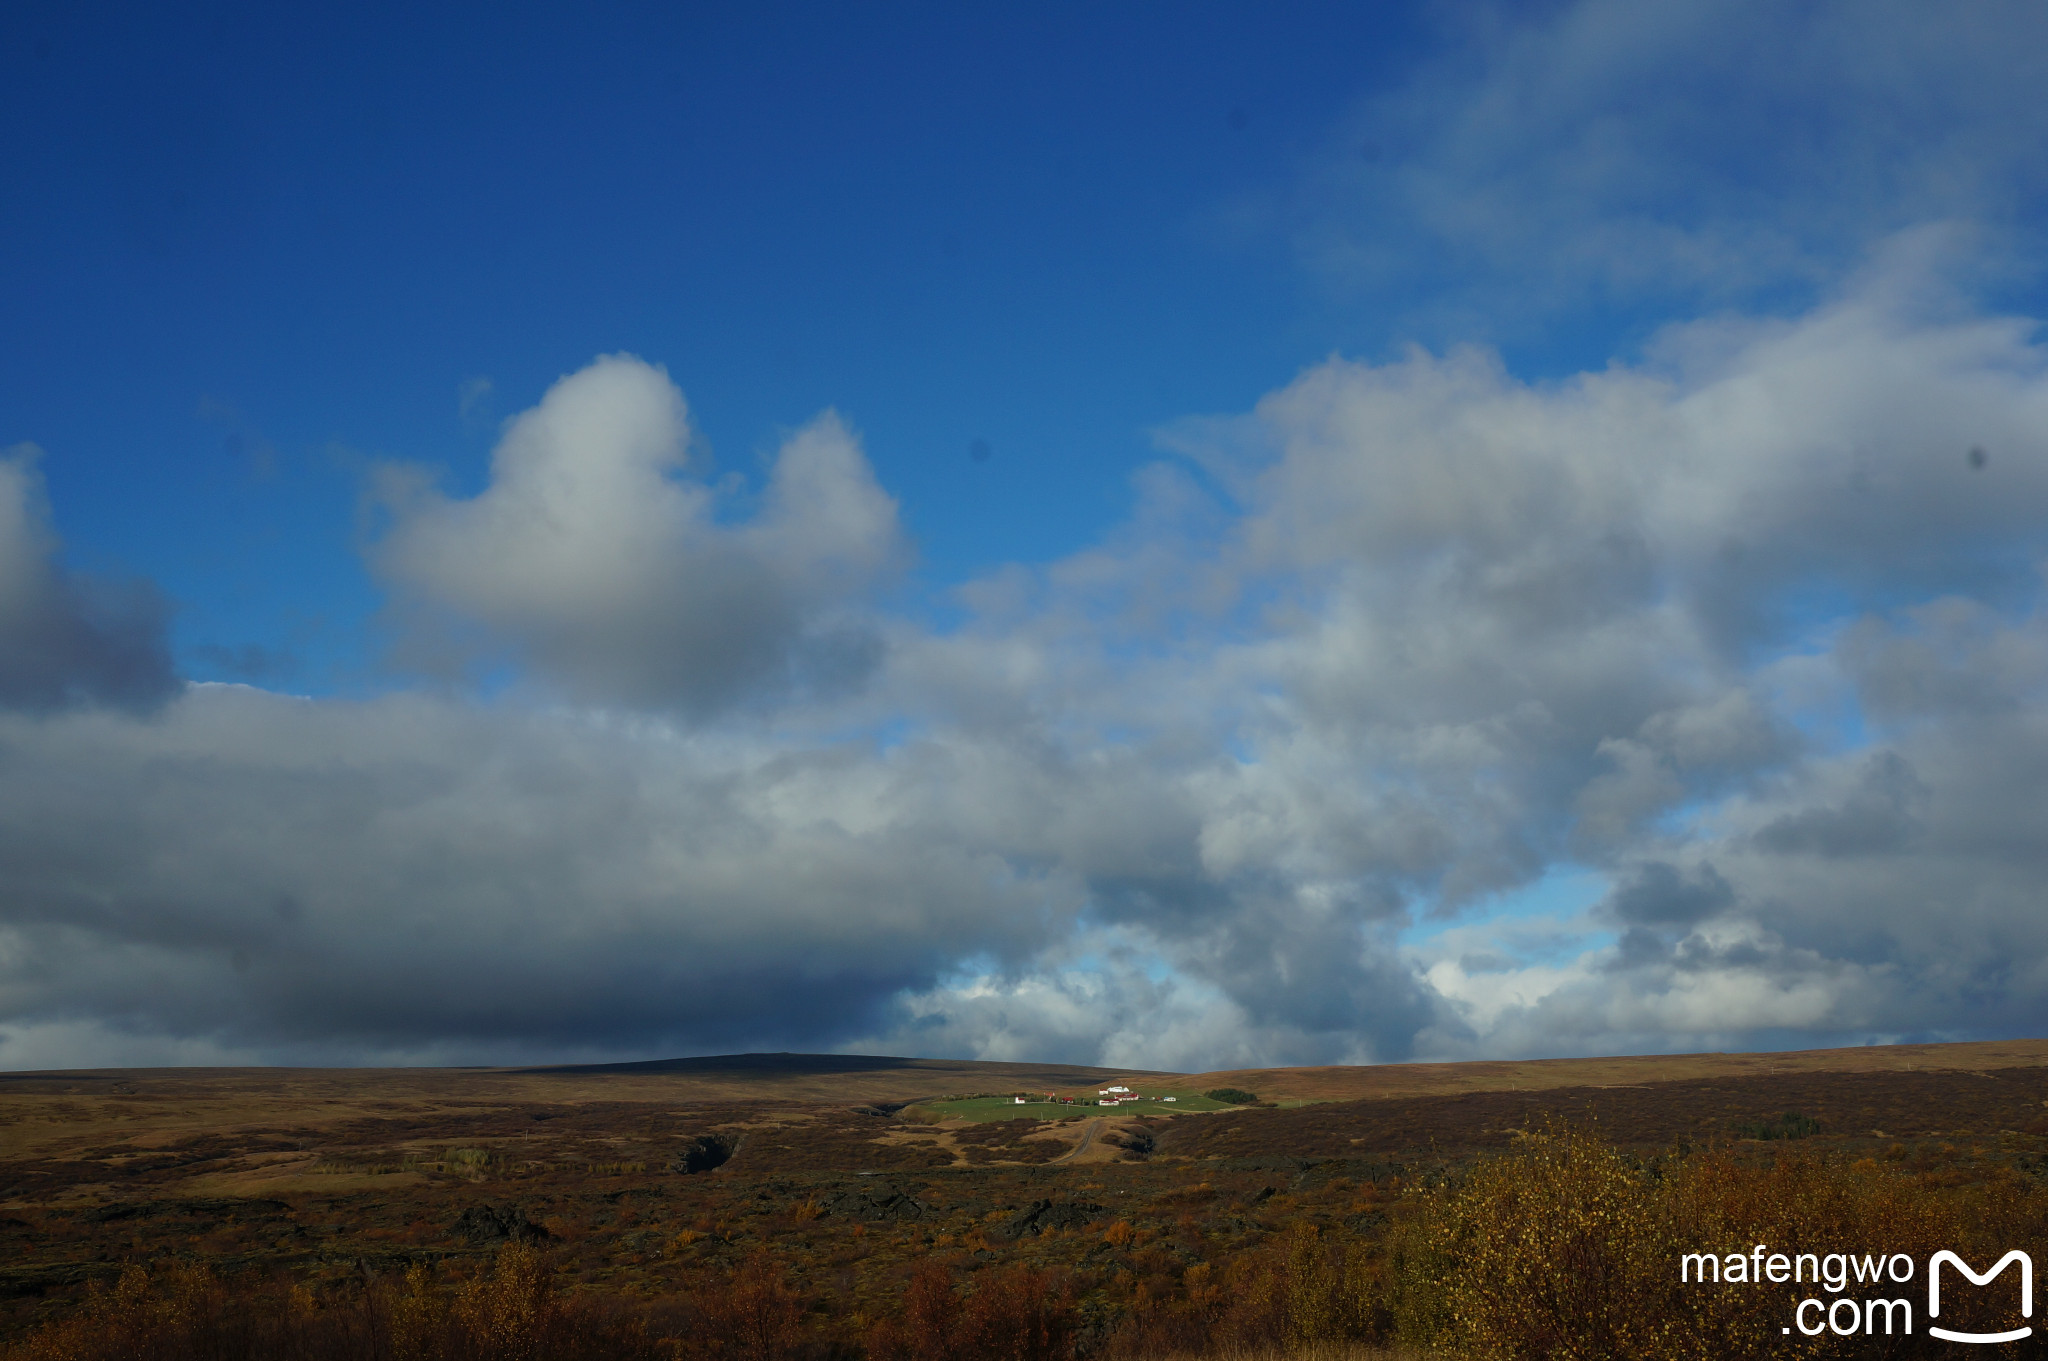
406 873
1737 630
1659 894
65 639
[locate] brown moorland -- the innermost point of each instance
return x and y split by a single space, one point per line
687 1202
1437 1079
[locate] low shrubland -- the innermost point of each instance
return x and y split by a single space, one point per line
1562 1247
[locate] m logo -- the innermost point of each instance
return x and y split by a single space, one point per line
2026 1294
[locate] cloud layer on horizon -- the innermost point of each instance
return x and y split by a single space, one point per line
1749 630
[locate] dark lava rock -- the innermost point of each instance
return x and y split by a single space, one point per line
705 1152
486 1224
107 1214
877 1203
1041 1216
1366 1222
221 1209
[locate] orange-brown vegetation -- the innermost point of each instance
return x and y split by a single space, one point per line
477 1221
1874 1105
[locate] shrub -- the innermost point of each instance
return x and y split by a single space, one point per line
1790 1125
1557 1251
1570 1248
512 1313
185 1313
749 1315
1016 1314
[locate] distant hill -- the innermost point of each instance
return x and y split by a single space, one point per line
827 1077
779 1062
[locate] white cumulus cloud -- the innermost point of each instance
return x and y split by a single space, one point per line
595 555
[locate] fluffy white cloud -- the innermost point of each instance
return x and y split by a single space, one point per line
597 559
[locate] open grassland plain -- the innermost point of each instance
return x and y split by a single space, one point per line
846 1207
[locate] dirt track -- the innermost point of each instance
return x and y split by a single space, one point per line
1087 1138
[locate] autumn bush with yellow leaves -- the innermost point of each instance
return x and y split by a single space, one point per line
1570 1248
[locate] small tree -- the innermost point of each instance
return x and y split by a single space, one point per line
753 1314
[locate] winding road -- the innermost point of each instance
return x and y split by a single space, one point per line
1087 1138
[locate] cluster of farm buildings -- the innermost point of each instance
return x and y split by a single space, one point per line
1108 1096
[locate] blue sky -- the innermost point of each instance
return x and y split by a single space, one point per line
1174 536
250 249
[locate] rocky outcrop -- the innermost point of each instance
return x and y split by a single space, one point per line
1043 1216
876 1204
705 1152
484 1225
1369 1221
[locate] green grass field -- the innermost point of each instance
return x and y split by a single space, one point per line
982 1108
